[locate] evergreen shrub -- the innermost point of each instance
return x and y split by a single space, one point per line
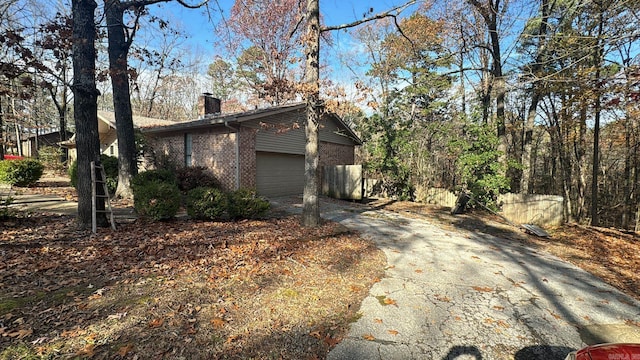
206 203
25 172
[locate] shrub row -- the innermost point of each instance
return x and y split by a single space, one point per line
157 195
25 172
213 204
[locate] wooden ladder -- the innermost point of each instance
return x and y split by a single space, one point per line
95 196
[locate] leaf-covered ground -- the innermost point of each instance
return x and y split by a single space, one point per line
253 289
180 289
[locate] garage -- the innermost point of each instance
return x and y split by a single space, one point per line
279 174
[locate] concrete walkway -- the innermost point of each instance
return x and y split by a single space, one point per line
52 204
468 295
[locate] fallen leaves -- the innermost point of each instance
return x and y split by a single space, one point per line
18 334
156 323
384 300
442 298
124 350
482 289
218 322
171 285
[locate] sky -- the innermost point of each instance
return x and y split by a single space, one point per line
200 29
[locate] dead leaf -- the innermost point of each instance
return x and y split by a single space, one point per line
232 338
155 323
498 307
419 271
218 322
379 321
390 301
555 315
482 289
503 324
393 332
87 351
21 334
331 341
368 337
124 350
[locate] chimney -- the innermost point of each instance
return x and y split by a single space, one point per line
208 105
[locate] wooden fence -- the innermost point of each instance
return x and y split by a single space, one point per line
436 196
342 181
542 210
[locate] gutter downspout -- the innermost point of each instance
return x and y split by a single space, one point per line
237 148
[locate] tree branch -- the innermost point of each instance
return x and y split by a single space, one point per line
140 3
390 13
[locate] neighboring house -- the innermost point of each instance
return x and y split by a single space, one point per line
32 144
261 149
107 132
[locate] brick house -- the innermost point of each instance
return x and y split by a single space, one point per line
261 149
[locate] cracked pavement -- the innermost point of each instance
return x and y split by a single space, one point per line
455 294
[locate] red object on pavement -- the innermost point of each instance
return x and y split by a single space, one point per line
13 157
609 352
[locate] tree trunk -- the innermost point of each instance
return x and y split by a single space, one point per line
85 106
528 171
118 69
598 54
1 131
311 208
500 89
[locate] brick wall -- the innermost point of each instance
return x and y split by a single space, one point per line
214 149
168 148
335 154
247 157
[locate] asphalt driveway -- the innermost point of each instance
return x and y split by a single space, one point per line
457 294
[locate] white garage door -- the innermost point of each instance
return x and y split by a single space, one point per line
279 174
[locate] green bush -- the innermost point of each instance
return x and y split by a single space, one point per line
51 157
479 168
22 173
206 203
192 177
73 173
156 200
245 204
159 175
110 164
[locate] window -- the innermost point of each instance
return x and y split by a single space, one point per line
111 150
188 148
